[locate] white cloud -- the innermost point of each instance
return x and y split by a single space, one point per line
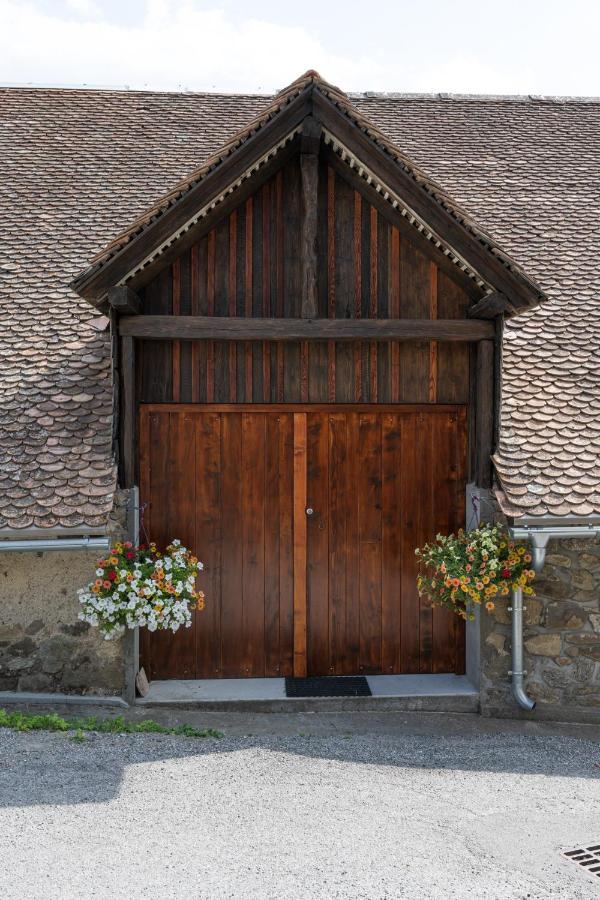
84 8
173 45
176 44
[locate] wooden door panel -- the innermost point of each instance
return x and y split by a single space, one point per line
222 482
381 484
287 593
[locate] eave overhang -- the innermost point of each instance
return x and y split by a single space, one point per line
361 146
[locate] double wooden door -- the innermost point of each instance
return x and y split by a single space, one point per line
306 519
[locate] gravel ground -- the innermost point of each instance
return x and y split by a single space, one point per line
415 815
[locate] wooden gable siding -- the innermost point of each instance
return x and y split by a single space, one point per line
250 266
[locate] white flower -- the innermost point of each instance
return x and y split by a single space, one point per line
99 572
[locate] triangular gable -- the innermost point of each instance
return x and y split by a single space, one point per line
358 144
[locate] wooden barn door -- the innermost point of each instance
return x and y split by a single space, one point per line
307 521
223 483
379 485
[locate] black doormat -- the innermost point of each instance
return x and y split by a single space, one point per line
328 686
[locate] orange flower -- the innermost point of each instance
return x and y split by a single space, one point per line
106 585
489 606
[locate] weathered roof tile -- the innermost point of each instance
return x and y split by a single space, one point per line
79 166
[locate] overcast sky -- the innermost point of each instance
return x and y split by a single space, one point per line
472 46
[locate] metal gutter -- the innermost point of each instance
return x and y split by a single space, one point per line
59 531
41 545
539 533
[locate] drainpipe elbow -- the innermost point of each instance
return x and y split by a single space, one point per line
521 697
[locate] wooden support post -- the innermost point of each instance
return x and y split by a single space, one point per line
309 166
484 413
127 417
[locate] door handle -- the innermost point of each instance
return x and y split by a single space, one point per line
309 511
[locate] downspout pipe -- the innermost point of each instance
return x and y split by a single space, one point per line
538 537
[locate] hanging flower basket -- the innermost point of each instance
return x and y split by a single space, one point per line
470 568
139 587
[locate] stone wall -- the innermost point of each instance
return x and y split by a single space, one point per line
561 638
43 645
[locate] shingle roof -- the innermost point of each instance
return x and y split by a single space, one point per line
310 84
78 166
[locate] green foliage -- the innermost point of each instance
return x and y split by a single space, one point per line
24 722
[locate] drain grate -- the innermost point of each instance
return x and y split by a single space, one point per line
586 857
328 686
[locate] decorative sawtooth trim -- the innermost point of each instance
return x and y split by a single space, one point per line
208 207
397 203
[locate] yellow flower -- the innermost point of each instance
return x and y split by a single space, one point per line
113 560
486 579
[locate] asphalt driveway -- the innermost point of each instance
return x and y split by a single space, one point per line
316 807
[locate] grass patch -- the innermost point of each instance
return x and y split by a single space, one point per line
52 722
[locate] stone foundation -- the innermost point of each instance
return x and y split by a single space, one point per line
43 645
561 638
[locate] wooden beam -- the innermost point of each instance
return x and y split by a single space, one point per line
387 169
488 307
127 412
124 301
309 166
484 413
223 328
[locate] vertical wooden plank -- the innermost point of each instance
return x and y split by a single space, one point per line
369 487
304 371
266 286
373 271
340 491
410 494
373 282
391 596
309 165
445 474
253 542
415 296
145 461
317 537
484 413
395 349
127 411
286 545
357 255
433 345
208 541
344 372
300 587
232 594
331 280
271 555
318 372
353 557
176 352
210 302
248 293
232 303
279 242
425 529
195 308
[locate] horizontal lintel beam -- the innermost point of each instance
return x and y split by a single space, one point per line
221 328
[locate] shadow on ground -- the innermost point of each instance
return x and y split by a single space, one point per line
43 768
